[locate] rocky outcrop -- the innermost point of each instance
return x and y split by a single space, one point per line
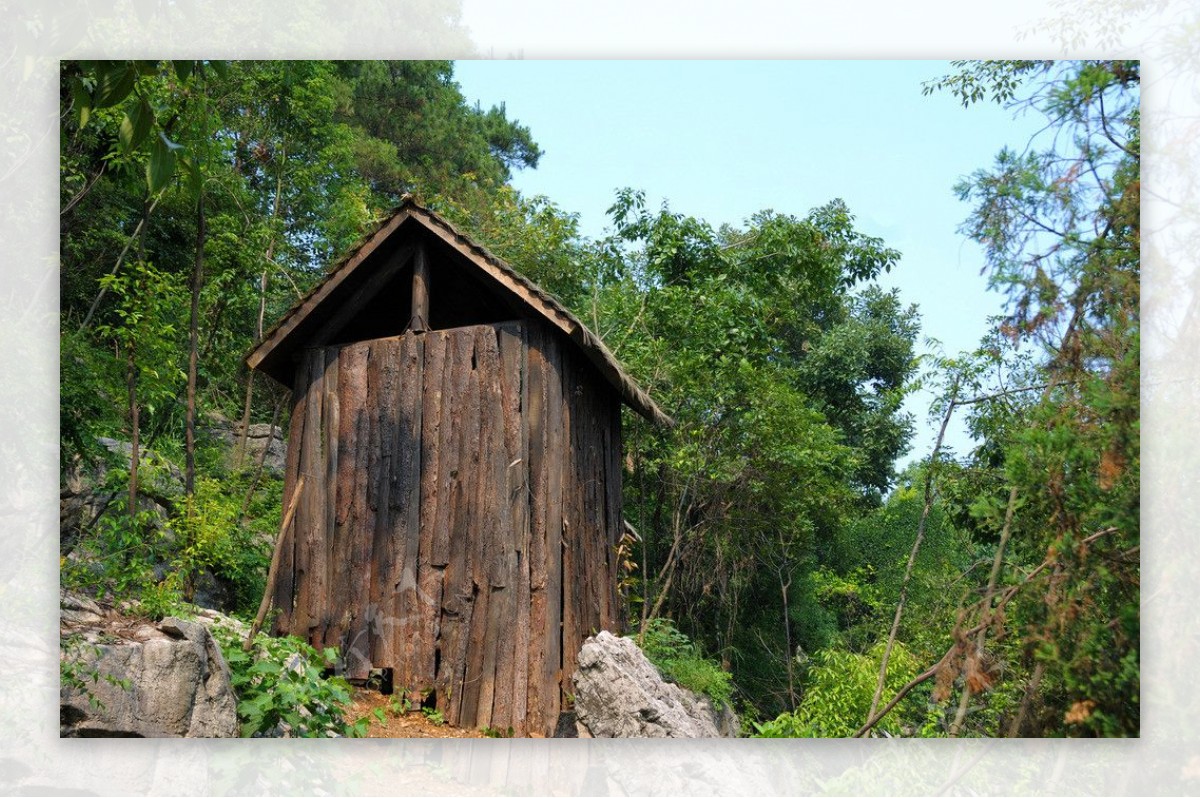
259 437
87 495
619 693
136 678
84 493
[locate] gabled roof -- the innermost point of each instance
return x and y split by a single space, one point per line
312 312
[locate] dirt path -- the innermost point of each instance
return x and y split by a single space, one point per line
410 724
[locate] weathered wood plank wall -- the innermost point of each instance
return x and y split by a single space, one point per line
458 522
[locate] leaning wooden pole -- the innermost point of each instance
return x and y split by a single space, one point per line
273 571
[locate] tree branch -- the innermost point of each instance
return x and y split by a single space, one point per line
912 556
84 192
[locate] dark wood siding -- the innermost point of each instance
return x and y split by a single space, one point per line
461 505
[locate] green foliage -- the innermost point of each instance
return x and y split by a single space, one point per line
490 731
680 661
1060 227
399 705
434 716
280 681
156 560
159 599
413 131
89 399
118 556
783 369
838 692
214 540
868 557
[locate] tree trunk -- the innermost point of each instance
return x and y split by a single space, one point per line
912 556
239 454
986 611
189 475
131 383
787 634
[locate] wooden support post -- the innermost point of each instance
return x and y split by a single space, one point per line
273 570
419 321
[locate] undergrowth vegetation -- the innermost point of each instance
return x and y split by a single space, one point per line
283 687
679 660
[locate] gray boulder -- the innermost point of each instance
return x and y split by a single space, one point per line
619 693
150 680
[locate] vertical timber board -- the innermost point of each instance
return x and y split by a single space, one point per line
492 526
321 563
467 521
459 453
516 392
616 523
343 406
285 582
586 455
499 365
597 530
557 441
535 412
424 625
310 514
364 509
386 554
411 608
583 449
571 526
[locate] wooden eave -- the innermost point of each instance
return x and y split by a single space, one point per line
274 355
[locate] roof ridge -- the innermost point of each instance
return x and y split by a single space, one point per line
544 303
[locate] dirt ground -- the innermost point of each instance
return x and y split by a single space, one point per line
410 724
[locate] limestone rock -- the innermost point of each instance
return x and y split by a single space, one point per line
258 438
177 679
619 693
84 495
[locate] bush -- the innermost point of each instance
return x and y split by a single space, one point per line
838 694
280 682
680 661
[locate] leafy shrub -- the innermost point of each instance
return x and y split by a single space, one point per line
280 682
490 731
163 598
214 539
159 560
680 661
838 694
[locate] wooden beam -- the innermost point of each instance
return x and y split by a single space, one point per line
419 320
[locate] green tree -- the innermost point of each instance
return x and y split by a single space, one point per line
750 338
1060 229
414 131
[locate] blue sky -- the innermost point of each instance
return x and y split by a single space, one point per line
721 140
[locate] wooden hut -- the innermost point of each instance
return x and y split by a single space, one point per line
459 436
